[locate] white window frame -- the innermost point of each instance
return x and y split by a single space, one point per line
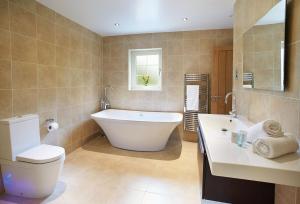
132 84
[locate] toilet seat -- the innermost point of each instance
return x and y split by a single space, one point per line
41 154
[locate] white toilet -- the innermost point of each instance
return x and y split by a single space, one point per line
29 169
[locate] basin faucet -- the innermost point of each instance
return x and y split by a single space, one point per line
105 104
233 112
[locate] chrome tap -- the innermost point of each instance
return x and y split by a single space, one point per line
105 104
233 112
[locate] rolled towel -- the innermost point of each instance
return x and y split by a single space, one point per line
268 128
272 128
270 147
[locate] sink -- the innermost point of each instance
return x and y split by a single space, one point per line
229 160
220 122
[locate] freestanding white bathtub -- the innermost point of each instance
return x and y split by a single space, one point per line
136 130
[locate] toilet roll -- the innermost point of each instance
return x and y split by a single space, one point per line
51 125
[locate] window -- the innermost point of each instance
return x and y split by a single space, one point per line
145 69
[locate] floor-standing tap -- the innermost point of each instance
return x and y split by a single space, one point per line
233 112
105 104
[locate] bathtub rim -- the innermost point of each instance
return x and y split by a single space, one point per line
177 120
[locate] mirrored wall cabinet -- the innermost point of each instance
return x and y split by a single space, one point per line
264 51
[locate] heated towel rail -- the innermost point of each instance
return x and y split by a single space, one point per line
190 118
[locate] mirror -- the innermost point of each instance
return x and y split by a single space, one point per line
263 51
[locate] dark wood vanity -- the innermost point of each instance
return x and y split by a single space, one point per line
231 190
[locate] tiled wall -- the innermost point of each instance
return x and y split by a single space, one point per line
50 66
259 105
183 52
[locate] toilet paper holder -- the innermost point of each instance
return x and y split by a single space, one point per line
50 120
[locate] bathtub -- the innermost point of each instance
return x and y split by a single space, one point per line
136 130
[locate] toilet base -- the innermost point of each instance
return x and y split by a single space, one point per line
30 180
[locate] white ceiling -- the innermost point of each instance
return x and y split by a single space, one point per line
145 16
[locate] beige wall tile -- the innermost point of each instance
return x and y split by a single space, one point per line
45 30
46 53
46 100
64 97
22 21
205 34
24 75
191 35
63 57
63 78
4 15
5 52
175 47
46 76
76 40
76 59
118 50
24 101
63 21
207 46
65 117
191 47
45 12
24 48
29 5
175 36
6 104
5 74
222 42
191 64
175 63
36 73
77 77
76 96
62 36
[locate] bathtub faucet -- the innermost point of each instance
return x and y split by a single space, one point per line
105 104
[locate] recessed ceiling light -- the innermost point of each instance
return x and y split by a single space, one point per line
185 19
117 24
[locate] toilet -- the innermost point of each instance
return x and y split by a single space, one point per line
29 169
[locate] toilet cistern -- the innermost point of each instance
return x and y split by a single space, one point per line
233 112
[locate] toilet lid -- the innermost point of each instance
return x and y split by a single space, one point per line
41 154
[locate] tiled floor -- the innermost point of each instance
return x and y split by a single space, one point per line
99 173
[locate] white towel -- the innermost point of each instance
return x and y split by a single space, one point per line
192 97
270 147
272 128
267 128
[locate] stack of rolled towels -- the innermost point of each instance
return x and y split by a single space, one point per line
269 141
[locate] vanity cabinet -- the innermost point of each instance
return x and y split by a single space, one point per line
231 190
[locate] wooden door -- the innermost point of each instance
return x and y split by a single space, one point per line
221 82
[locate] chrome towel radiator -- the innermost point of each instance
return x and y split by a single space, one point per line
248 80
190 118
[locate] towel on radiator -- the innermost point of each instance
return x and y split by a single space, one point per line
268 128
270 147
192 97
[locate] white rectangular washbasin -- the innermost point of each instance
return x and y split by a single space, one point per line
229 160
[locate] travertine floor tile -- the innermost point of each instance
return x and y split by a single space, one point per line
101 174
